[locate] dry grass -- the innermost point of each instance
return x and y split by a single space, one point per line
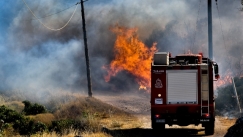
86 106
12 104
225 124
98 134
226 121
10 132
2 100
93 112
70 133
97 114
45 118
73 134
121 122
15 105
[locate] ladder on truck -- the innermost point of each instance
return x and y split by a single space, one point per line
204 87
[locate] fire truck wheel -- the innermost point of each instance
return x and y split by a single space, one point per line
158 127
209 128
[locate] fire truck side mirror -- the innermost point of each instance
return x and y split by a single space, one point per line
216 71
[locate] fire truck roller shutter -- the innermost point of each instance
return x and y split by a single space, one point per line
182 86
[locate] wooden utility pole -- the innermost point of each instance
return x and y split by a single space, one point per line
86 50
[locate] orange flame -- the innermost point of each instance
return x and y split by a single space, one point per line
131 55
224 80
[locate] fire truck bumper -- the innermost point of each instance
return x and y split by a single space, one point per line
181 120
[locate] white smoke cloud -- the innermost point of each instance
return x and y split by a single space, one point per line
35 59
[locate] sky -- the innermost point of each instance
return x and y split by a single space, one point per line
38 61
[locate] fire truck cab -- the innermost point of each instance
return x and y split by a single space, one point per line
182 91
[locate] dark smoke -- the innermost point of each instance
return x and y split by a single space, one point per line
36 60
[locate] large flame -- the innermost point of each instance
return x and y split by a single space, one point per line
131 55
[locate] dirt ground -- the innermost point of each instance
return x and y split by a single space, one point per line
139 105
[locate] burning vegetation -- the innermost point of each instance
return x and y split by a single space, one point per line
226 101
131 55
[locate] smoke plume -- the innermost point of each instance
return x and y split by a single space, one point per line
36 60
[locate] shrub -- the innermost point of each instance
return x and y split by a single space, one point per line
21 124
39 127
8 115
33 109
27 127
24 126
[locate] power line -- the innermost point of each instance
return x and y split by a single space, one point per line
197 23
54 13
220 24
46 25
190 38
45 16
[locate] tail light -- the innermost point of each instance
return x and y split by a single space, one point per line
206 115
157 116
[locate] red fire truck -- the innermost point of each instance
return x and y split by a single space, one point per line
182 90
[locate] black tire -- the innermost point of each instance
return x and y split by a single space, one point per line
209 128
159 126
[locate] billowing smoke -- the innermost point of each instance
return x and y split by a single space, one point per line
36 60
